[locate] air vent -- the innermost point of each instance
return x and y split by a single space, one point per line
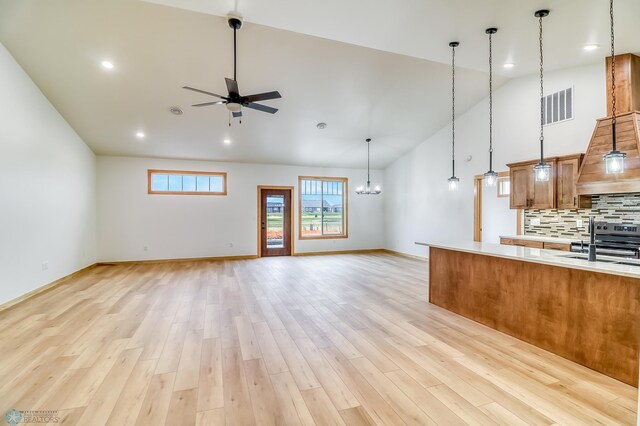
558 107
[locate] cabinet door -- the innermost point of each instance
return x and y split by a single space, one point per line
566 183
544 193
521 186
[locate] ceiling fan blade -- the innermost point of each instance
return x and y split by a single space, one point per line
237 114
232 86
209 103
263 96
203 91
262 108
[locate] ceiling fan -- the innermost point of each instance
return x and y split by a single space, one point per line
234 100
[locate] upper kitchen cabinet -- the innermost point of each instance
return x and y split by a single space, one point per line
558 192
526 193
566 178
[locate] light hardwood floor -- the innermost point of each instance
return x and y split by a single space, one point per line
344 339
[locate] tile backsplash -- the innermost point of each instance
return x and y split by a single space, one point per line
616 208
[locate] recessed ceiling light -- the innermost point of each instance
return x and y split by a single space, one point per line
227 141
140 135
321 125
589 47
509 65
107 65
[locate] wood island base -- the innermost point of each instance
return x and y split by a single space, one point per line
587 317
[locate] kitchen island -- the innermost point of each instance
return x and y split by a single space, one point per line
584 311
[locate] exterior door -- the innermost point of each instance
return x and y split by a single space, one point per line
275 222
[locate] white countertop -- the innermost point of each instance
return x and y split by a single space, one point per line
545 257
541 238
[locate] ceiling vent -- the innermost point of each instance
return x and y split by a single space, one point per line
558 107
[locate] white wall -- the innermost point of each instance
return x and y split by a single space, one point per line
47 195
178 226
497 218
417 203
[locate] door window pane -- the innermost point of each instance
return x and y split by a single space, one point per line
275 221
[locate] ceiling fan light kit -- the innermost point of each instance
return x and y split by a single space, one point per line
234 101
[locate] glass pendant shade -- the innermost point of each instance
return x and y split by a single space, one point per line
614 162
490 178
366 190
454 183
542 172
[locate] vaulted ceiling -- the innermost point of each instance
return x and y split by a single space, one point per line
363 67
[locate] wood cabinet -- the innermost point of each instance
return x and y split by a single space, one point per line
535 244
567 197
558 192
590 318
521 243
526 193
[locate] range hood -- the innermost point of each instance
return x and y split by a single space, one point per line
592 178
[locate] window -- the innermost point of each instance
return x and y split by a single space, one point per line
323 207
504 186
187 183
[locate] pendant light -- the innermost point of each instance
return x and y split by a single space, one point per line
614 160
542 170
453 180
366 190
490 177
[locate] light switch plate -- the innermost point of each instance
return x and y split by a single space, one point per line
579 223
535 222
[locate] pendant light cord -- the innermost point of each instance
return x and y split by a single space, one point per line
368 177
541 94
490 104
613 78
453 111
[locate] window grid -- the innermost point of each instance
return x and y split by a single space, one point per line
322 186
178 182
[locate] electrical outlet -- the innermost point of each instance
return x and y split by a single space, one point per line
535 221
230 245
45 266
145 248
579 223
